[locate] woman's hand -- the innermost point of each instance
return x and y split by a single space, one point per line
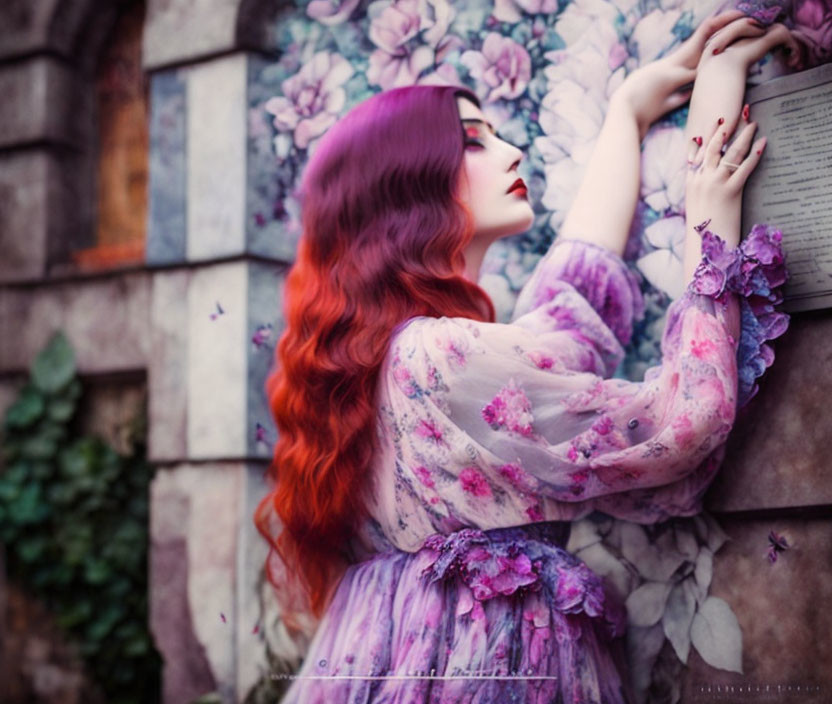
715 182
654 90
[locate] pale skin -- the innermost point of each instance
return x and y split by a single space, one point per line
714 183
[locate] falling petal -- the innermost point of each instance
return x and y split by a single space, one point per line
222 616
256 629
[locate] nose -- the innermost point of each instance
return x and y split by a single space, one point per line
514 155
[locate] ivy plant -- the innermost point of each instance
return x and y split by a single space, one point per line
74 522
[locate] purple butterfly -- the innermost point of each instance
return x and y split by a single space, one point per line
777 543
222 616
216 314
260 434
262 336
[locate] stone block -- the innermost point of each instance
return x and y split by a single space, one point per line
182 31
24 214
167 366
217 361
216 158
166 232
782 609
106 320
24 25
44 99
195 524
778 452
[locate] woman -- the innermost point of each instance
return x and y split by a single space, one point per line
429 459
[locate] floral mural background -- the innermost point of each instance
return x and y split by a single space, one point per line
544 71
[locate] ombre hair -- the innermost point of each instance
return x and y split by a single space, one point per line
383 239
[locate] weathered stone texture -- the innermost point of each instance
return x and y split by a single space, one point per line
44 99
778 453
782 609
105 319
195 523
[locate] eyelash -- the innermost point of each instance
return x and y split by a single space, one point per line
473 143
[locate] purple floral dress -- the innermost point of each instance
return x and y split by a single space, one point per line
492 437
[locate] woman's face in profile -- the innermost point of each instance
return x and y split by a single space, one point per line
489 183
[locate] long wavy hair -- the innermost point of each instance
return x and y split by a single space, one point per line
383 239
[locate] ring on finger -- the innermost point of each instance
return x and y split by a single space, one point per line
729 165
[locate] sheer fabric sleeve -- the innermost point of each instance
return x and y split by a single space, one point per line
502 424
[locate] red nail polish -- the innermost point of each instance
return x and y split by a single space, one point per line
716 50
759 151
746 111
720 121
698 141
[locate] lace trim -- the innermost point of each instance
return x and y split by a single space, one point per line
756 271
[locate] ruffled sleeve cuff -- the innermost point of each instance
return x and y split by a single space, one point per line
755 271
599 275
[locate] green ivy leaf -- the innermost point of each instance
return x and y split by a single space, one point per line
29 507
39 447
54 368
26 410
60 410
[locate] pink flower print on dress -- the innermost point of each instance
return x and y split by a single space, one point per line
511 409
428 430
404 380
514 472
541 360
534 513
702 349
424 476
474 482
683 431
457 351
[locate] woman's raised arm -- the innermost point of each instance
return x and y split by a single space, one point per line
605 203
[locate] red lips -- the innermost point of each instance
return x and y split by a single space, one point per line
518 184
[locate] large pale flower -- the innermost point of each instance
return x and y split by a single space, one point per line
663 169
410 36
652 36
312 99
663 266
512 10
502 69
331 12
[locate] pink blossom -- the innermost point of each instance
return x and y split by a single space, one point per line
702 348
541 361
424 476
684 433
474 482
502 69
510 408
534 513
404 380
312 99
331 12
410 36
429 430
603 425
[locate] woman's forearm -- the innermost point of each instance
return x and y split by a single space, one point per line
605 203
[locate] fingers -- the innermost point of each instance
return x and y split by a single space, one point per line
747 27
740 176
691 49
739 147
713 147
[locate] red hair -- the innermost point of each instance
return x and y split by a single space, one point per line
383 241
